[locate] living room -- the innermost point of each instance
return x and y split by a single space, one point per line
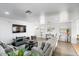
38 23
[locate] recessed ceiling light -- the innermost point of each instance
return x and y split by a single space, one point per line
7 13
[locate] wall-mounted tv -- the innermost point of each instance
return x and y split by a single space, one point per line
18 28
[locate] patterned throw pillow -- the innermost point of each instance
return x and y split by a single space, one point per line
3 44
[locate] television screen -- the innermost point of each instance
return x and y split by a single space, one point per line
18 28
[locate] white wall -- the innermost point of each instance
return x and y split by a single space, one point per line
6 34
5 31
73 32
74 17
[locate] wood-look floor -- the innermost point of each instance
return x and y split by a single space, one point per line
65 49
76 47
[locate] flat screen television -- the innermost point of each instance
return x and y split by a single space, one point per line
18 28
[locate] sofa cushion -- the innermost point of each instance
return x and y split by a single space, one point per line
2 51
38 50
42 45
8 49
49 50
46 47
3 44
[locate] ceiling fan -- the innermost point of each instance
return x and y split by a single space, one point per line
28 12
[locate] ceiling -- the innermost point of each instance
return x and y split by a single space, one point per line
17 10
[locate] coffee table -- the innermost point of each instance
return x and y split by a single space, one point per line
31 44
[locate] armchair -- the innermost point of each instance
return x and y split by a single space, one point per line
49 48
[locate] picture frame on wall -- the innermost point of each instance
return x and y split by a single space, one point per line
18 28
